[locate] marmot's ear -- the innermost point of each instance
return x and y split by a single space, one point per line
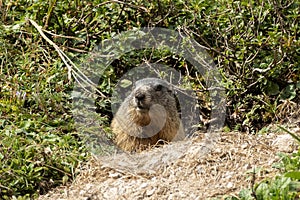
158 87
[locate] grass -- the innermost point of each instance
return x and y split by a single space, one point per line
36 146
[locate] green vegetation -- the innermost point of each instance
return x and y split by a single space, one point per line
285 186
275 189
255 44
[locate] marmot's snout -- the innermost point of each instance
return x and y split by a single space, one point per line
142 100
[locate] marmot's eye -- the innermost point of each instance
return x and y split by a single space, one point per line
158 87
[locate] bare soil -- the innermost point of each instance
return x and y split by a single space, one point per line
197 168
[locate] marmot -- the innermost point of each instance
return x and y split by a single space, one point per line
147 115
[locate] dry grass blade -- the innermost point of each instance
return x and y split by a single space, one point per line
289 132
72 68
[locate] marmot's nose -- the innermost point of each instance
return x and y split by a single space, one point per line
140 96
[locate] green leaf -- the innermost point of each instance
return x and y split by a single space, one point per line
294 174
272 88
65 179
289 92
125 83
1 156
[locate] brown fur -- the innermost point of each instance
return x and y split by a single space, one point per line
130 124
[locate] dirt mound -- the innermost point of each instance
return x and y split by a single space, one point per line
193 169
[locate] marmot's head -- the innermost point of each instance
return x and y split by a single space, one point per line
150 91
